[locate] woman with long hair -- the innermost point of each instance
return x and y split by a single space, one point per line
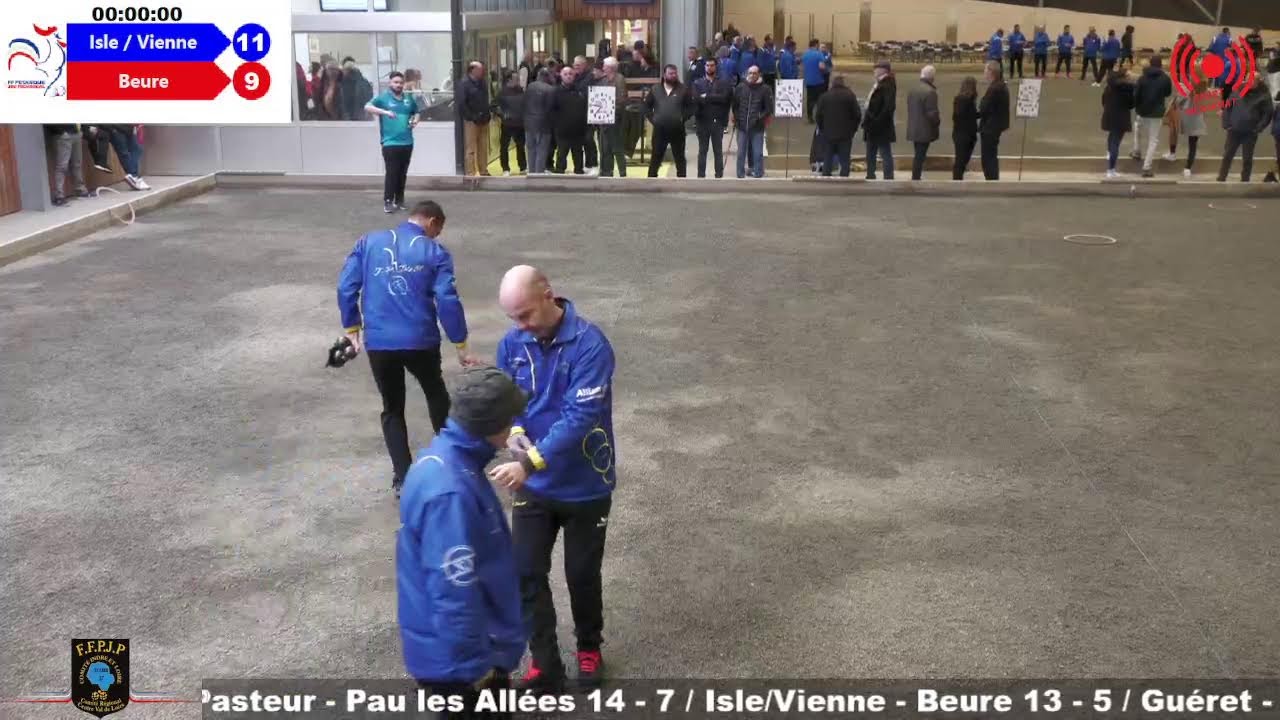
964 125
1190 122
1117 113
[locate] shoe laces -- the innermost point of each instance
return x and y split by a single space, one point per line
588 661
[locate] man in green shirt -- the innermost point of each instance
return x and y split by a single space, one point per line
397 117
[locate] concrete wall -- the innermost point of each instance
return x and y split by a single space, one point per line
339 148
928 19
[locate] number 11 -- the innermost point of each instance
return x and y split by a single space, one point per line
244 41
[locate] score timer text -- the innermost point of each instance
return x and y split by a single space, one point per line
202 63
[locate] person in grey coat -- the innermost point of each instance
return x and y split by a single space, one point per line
923 118
539 99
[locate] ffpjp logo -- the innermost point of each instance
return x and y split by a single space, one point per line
38 62
1236 68
99 680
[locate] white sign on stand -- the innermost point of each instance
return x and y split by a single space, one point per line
1029 98
602 104
789 101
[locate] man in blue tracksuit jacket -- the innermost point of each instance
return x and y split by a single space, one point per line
995 47
566 477
1092 44
1017 43
1040 50
815 77
1066 46
1110 54
788 67
456 583
767 60
394 287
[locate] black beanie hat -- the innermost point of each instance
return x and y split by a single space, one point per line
485 401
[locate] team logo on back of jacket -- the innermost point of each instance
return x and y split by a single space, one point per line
397 283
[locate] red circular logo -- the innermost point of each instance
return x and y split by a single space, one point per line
1212 66
251 81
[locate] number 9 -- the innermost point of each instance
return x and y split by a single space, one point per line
251 81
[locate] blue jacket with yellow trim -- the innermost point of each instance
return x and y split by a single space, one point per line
458 592
396 283
569 417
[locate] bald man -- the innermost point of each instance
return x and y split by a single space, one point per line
566 477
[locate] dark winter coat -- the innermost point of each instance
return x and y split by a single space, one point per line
877 122
923 118
1117 106
838 114
668 110
511 106
539 107
570 112
993 111
474 104
1251 114
711 99
752 106
964 117
1153 88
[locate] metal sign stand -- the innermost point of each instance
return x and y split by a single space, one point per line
1022 160
786 171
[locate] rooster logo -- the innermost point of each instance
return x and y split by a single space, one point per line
39 63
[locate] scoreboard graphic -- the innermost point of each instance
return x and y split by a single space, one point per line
199 62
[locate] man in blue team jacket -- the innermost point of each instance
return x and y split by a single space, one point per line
456 582
1017 43
393 287
1040 50
566 479
1066 46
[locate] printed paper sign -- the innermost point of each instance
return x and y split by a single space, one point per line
1029 98
789 101
601 105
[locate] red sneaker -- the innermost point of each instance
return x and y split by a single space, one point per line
539 682
590 668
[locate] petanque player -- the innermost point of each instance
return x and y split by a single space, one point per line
456 582
565 478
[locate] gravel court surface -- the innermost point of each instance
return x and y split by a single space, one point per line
858 437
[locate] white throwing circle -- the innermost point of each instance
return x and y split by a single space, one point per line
1229 206
1085 239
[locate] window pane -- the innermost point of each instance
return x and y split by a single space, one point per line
340 72
414 5
424 58
344 5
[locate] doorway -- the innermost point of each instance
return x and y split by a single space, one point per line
10 194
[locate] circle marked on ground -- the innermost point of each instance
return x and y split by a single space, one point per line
1087 239
1231 207
116 213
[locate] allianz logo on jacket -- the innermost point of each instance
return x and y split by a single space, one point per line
591 393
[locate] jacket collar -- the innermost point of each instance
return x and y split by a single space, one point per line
412 229
475 449
568 325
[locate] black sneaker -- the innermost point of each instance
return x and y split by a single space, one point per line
59 202
388 207
400 205
1148 173
590 668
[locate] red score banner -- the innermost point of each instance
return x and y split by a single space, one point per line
145 81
